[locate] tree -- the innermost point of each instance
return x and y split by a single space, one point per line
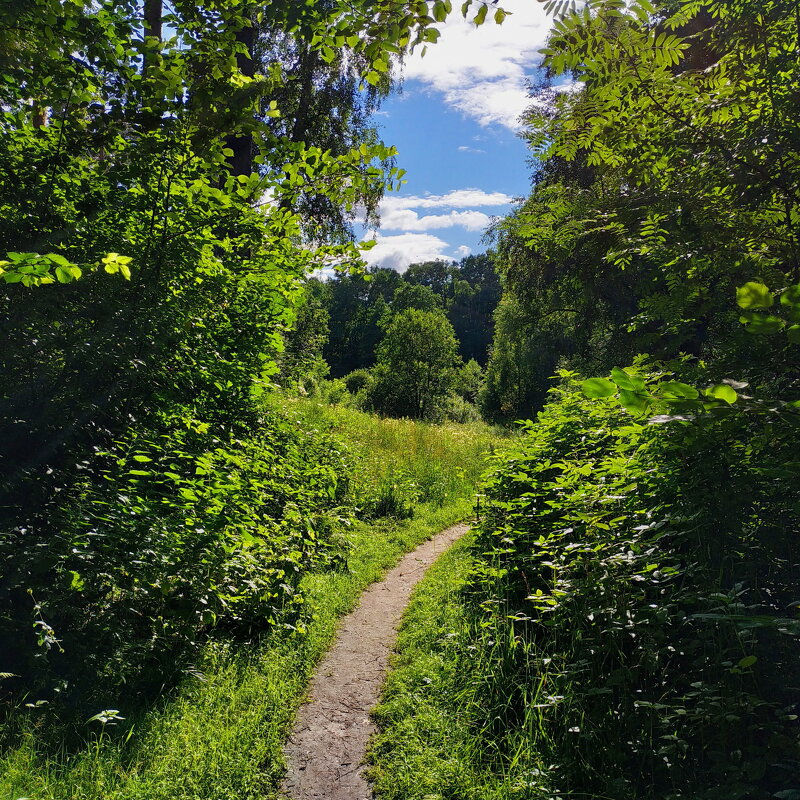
359 304
416 367
411 295
302 358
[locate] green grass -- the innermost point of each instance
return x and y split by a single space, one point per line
427 748
219 737
423 461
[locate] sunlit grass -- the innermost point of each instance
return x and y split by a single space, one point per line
438 462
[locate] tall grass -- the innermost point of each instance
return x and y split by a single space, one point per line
401 462
220 734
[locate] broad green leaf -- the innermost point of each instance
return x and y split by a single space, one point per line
625 380
598 387
747 661
754 295
793 334
675 389
633 402
761 324
721 391
791 297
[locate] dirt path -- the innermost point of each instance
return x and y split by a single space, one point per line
331 732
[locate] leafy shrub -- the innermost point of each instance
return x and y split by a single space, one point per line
416 366
356 380
162 538
457 409
633 606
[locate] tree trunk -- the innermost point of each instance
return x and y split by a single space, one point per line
153 14
241 162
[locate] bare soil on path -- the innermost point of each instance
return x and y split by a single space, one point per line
326 750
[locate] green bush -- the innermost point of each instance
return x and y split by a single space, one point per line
457 409
161 539
416 368
356 380
634 631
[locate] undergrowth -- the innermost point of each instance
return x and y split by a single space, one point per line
627 629
216 730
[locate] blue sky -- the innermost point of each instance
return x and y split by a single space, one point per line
455 125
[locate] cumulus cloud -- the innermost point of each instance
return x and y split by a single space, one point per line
458 198
397 252
405 219
463 250
482 72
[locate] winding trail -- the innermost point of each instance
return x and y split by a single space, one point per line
327 746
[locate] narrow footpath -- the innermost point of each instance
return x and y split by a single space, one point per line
327 746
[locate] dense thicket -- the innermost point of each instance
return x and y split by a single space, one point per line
170 173
633 603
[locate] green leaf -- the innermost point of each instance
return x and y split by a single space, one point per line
761 324
791 297
77 582
722 391
625 380
598 387
747 661
633 402
480 16
675 389
793 334
754 295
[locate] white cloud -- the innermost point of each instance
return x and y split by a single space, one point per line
404 219
482 71
463 250
458 198
464 149
397 252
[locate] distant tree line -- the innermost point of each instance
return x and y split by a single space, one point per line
411 344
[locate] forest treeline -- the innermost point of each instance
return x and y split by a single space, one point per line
404 345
